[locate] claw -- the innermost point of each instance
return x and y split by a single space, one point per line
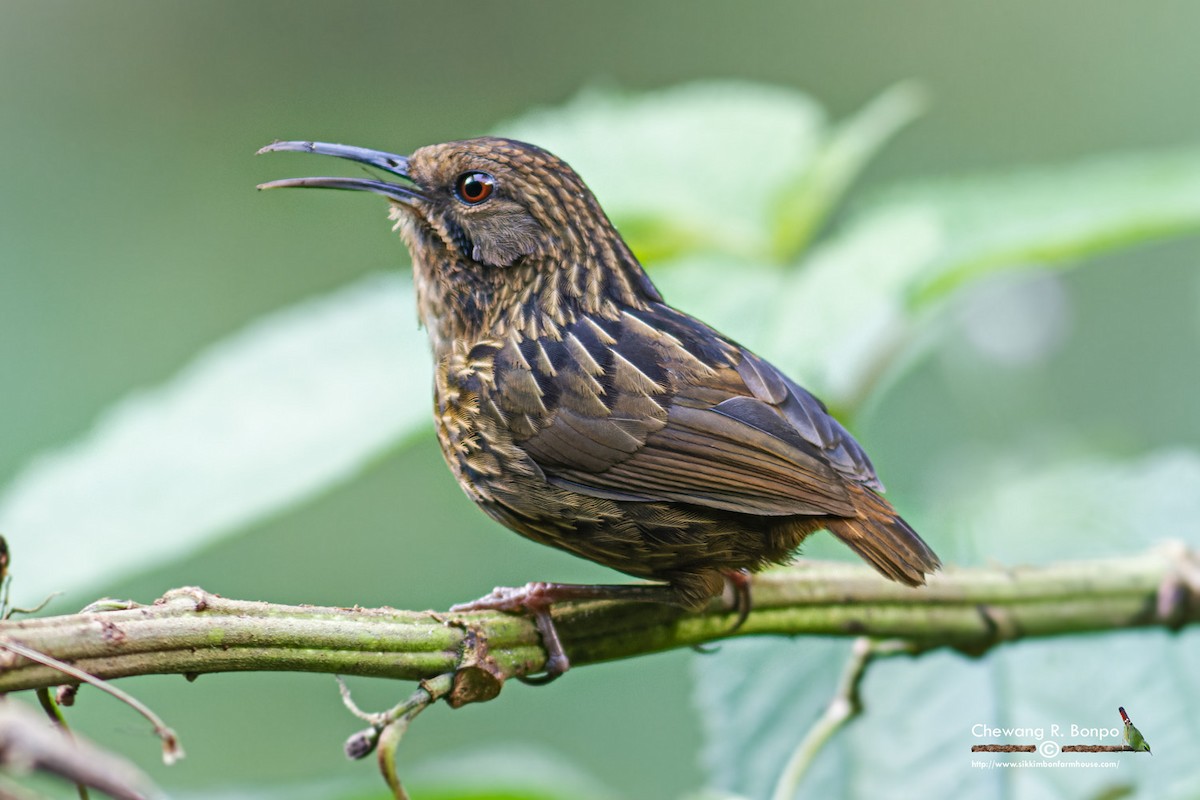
535 599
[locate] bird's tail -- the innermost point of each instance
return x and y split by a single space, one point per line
886 541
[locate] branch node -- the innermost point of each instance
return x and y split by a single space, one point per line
998 626
477 676
1180 586
199 597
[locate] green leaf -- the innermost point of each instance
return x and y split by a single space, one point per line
692 168
505 772
758 699
290 406
1051 215
805 203
851 313
508 772
834 322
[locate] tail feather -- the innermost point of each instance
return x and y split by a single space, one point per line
885 540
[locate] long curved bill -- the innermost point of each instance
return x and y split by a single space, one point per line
388 162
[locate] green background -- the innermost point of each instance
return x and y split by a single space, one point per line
131 236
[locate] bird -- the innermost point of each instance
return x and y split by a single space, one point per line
578 408
1133 737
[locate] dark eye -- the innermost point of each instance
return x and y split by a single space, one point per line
474 187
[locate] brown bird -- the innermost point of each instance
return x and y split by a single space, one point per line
579 409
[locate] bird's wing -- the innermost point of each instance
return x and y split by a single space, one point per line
656 406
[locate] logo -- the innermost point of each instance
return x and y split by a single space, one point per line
1047 741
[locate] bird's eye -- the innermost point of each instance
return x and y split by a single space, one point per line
474 187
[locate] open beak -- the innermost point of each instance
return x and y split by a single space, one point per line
396 165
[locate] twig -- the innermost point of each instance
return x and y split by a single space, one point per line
388 727
361 744
172 751
28 743
56 716
845 706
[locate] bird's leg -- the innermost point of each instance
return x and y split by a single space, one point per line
536 598
738 581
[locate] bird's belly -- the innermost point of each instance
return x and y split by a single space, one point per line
646 540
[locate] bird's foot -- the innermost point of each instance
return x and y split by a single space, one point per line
528 598
535 599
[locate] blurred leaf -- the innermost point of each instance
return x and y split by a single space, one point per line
696 167
510 772
832 323
505 772
288 407
853 309
758 699
804 205
1053 214
1005 510
699 176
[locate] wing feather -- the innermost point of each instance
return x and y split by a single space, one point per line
655 406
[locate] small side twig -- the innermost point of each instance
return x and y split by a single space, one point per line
172 751
388 727
26 740
845 706
56 716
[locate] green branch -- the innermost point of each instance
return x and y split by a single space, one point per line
190 632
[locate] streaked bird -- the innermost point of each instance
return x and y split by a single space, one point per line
577 408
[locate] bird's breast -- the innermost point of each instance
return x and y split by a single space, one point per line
475 438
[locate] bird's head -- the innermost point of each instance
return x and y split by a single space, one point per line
502 234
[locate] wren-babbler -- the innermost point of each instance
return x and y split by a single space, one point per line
579 409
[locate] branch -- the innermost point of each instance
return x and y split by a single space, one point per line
190 632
